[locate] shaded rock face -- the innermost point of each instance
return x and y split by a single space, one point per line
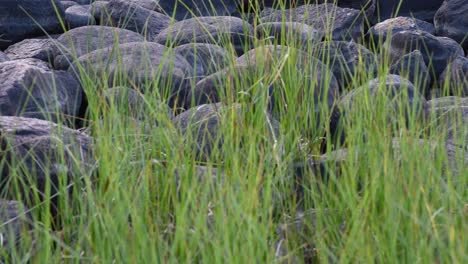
184 9
347 25
14 219
134 17
288 32
42 154
455 76
420 9
143 65
412 67
16 24
32 48
34 91
451 21
213 30
437 51
79 16
346 59
397 24
4 57
80 41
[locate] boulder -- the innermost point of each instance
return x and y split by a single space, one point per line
205 58
21 19
437 51
4 57
412 67
393 25
67 4
80 41
35 91
346 59
346 25
455 77
420 9
132 16
194 8
141 65
39 155
32 48
79 16
14 220
290 33
451 20
214 30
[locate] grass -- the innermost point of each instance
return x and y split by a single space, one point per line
147 203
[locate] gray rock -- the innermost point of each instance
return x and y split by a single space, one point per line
79 16
420 9
183 10
412 67
16 25
455 77
67 4
451 20
346 25
437 51
214 30
31 91
149 4
82 40
397 24
101 13
132 16
39 154
14 219
290 33
32 48
205 58
141 65
4 57
346 60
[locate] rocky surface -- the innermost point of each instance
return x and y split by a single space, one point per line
14 220
412 67
197 8
32 48
451 21
455 77
393 25
79 16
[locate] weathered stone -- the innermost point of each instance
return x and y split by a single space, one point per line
420 9
397 24
455 77
290 33
451 20
346 25
21 19
14 219
412 67
437 51
346 60
132 16
183 10
82 40
79 16
32 48
214 30
67 4
4 57
32 91
205 58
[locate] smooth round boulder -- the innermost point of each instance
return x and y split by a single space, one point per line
347 23
451 20
393 25
437 51
80 41
290 33
455 77
214 30
35 91
132 16
21 19
41 49
412 67
79 16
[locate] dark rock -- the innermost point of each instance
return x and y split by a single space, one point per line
31 91
346 25
201 127
290 33
37 154
82 40
184 10
214 30
14 219
79 16
132 16
451 20
32 48
4 57
21 19
141 65
437 51
67 4
412 67
101 13
420 9
205 58
455 77
397 24
149 4
346 60
397 90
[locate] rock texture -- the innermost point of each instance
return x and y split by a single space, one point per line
189 8
451 21
32 48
